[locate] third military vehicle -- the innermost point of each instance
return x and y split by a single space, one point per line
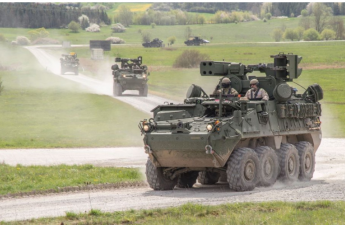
249 142
130 76
195 41
155 43
69 63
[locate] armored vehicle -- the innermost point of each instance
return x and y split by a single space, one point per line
155 43
130 76
195 41
248 142
69 63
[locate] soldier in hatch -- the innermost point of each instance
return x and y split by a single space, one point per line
255 92
225 88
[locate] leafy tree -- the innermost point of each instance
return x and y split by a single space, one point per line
305 22
311 35
328 34
321 14
290 34
277 34
146 36
74 26
84 21
171 40
337 25
124 16
304 13
268 16
299 31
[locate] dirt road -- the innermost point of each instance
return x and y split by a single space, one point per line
328 184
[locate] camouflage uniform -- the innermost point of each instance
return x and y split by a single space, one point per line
226 91
260 93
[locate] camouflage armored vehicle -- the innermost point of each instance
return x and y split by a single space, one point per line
195 41
69 63
130 76
155 43
249 142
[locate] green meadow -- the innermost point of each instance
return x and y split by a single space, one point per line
282 213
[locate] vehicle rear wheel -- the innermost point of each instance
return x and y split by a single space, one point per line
269 165
243 169
289 163
156 178
206 177
144 90
187 180
307 160
117 89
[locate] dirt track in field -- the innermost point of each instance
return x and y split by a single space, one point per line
328 182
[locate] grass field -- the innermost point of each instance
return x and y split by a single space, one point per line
21 179
254 31
40 110
304 213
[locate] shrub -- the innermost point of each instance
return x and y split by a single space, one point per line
171 40
290 34
311 35
264 20
304 12
74 27
153 25
93 28
299 31
328 34
22 40
189 59
38 33
118 28
115 40
277 34
268 16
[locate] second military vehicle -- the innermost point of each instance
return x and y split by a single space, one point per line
69 63
155 43
130 76
195 41
250 142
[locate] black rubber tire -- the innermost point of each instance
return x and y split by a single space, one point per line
187 180
223 177
289 163
206 177
307 160
269 165
156 179
243 169
145 90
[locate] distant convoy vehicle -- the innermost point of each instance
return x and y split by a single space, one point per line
249 142
69 63
196 41
130 76
155 43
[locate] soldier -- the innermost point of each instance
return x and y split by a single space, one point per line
226 88
255 92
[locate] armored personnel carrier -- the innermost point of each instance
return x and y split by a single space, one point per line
249 142
195 41
155 43
130 76
69 63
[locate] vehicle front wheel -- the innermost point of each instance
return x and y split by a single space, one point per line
269 165
156 178
117 89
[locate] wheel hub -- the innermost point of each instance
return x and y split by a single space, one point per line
268 167
249 170
308 162
291 165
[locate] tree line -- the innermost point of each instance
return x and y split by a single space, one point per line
48 15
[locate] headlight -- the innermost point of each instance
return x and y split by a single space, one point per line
144 75
146 127
209 127
123 75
